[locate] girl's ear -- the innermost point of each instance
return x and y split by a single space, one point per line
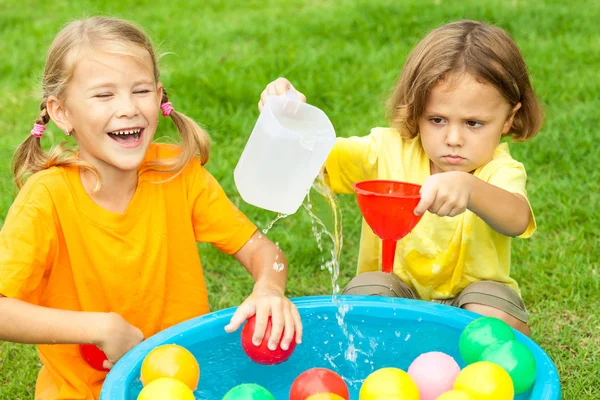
159 92
510 119
58 113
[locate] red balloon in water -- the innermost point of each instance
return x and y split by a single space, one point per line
262 354
93 356
318 380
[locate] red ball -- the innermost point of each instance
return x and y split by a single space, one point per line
93 356
261 354
318 380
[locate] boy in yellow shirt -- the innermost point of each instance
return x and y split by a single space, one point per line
462 89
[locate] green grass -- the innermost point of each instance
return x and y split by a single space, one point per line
345 55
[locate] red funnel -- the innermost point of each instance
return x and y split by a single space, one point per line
388 208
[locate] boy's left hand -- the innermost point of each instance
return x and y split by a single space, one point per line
268 300
446 194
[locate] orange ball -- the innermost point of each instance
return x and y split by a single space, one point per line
171 361
166 389
325 396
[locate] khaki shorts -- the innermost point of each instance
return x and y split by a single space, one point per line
487 293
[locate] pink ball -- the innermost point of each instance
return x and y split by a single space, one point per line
434 373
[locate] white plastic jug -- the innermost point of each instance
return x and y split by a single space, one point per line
284 154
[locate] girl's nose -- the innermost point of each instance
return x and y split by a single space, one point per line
127 108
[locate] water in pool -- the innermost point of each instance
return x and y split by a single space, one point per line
353 350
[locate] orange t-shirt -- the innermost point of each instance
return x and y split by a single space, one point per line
59 249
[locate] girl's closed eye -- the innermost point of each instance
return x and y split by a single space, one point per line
142 91
103 95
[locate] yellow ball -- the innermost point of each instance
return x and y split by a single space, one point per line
325 396
171 361
455 395
166 389
389 383
484 380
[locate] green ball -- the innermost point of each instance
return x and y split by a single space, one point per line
248 391
479 334
516 359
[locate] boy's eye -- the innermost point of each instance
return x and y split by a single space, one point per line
436 120
474 124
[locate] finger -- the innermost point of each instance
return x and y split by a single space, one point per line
272 89
278 323
288 332
260 326
263 96
242 313
107 364
297 323
282 86
301 96
445 208
427 200
260 105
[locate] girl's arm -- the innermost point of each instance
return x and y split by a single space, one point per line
31 324
268 266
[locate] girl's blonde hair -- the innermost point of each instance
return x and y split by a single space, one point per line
483 51
116 36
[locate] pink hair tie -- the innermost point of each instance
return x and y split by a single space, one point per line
38 130
166 108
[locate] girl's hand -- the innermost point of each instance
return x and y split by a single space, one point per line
446 194
117 338
268 300
278 87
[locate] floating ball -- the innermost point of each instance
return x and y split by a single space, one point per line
389 383
316 381
166 389
479 334
248 391
516 359
171 361
455 395
261 354
484 380
434 373
93 356
325 396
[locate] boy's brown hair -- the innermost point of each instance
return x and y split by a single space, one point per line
483 51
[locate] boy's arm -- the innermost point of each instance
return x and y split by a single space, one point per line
452 193
505 212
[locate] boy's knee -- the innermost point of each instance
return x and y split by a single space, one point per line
378 284
494 299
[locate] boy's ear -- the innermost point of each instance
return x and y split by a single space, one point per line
510 119
58 113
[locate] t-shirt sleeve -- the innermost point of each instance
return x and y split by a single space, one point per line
511 176
28 244
351 160
215 218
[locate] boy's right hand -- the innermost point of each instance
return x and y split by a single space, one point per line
278 87
117 337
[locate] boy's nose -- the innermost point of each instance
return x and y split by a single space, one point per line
454 136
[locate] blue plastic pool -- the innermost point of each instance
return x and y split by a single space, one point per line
376 332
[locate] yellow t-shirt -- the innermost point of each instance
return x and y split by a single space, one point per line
59 249
442 255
